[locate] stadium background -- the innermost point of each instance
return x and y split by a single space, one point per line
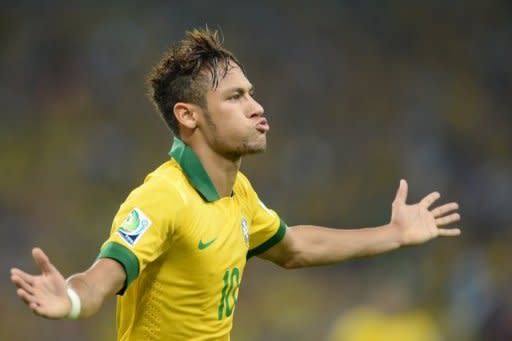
359 95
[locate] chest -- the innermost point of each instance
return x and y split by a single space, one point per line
213 237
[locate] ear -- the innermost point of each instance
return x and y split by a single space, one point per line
185 114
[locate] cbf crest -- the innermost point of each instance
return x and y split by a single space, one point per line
245 230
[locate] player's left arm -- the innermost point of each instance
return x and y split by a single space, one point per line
307 245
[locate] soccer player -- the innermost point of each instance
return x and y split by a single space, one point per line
179 243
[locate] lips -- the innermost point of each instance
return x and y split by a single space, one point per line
262 125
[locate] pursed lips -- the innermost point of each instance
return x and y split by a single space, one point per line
262 125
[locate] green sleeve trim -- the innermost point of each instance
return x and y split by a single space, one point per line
126 258
276 238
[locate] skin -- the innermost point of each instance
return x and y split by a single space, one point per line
230 127
224 131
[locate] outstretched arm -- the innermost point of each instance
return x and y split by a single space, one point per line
410 224
47 293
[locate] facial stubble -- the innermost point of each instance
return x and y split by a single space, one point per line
225 149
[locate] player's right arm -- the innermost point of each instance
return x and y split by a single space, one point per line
46 294
157 206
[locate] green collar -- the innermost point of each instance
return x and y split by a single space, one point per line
194 170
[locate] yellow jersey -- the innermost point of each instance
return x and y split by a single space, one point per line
184 250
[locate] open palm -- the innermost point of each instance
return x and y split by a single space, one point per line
417 223
45 294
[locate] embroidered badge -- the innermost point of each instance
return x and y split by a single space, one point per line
134 226
245 230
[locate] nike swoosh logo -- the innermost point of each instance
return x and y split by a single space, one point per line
203 246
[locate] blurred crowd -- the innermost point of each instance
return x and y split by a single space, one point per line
358 95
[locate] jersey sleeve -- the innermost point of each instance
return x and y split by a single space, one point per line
266 228
143 227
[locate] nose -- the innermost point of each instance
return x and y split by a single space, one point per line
256 108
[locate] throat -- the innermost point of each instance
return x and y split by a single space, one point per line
221 169
222 172
223 178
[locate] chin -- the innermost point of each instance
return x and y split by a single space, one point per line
250 148
256 149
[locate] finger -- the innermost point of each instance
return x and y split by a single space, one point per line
40 310
448 232
25 296
448 219
35 308
401 194
446 208
21 284
430 199
42 260
23 275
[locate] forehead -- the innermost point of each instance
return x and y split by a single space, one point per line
234 78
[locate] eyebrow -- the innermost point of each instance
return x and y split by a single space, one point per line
239 89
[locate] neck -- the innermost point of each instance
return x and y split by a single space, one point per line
221 170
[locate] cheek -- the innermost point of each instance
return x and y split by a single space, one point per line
231 119
238 127
231 122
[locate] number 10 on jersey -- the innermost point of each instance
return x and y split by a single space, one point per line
229 292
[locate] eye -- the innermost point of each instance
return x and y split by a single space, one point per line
235 97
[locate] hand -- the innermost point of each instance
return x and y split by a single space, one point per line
45 294
417 224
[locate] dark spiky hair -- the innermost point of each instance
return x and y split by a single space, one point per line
187 71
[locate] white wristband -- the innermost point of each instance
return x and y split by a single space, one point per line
74 312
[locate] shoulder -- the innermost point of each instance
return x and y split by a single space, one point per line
166 183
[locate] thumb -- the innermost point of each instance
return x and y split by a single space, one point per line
401 194
42 260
